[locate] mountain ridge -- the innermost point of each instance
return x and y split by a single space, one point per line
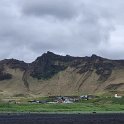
52 74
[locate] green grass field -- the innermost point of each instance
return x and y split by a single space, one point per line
97 105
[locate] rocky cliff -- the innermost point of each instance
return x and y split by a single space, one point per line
52 74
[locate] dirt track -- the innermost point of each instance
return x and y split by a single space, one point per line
62 119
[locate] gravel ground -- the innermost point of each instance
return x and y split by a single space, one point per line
62 118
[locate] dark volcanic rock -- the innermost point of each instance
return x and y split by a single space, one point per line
5 76
49 64
102 66
13 64
104 69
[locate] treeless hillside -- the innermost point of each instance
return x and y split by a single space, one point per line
55 75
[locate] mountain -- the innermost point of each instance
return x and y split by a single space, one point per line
55 75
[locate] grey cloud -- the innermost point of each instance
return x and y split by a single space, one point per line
80 28
57 8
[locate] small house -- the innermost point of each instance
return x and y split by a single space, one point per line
116 96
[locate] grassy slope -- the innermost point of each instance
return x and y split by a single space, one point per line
98 105
13 86
67 82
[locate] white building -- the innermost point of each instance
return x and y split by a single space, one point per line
116 96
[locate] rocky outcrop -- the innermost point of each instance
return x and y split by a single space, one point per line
3 74
49 64
14 64
80 72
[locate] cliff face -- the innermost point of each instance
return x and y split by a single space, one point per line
52 74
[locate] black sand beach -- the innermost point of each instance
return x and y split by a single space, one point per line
62 118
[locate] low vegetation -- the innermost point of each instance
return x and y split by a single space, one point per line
94 105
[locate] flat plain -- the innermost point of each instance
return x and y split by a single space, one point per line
92 118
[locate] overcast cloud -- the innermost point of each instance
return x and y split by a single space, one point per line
29 28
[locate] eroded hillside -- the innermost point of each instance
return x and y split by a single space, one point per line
52 74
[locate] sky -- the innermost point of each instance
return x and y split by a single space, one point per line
29 28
